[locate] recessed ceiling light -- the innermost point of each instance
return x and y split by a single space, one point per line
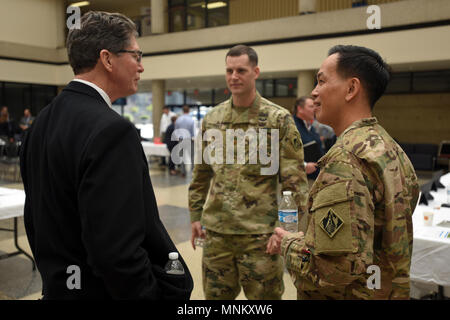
80 4
215 5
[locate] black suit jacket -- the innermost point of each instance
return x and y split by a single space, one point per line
308 136
90 203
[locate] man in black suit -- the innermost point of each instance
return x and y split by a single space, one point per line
90 212
171 144
304 117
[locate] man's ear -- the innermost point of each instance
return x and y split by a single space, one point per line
353 88
257 71
106 59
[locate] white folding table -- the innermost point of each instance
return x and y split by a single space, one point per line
152 149
11 207
430 263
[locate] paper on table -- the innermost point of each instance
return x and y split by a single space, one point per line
434 232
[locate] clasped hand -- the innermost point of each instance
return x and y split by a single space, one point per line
274 244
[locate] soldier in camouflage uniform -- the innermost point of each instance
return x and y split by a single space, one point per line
360 207
236 203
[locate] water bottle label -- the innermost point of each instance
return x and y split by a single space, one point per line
288 216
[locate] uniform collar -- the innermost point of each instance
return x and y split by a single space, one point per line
359 124
355 125
250 117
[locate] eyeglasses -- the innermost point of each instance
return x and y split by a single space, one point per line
137 53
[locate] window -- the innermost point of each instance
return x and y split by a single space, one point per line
419 82
432 81
19 96
177 15
41 96
199 97
260 86
399 83
217 13
268 88
220 95
196 14
285 87
174 98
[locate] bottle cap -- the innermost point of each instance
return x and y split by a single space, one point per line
173 255
287 193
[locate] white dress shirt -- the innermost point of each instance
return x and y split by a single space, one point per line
99 90
165 121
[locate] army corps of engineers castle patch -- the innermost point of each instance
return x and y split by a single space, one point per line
331 223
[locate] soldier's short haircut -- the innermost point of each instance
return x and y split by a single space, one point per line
242 49
98 30
366 65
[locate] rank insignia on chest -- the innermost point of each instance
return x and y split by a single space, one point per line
331 223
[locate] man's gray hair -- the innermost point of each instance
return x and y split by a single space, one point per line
99 30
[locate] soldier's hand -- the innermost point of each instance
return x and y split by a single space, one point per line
274 244
310 167
197 232
281 233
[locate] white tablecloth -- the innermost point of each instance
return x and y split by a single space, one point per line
11 203
431 250
151 149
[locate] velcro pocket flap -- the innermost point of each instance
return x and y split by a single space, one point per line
332 219
334 193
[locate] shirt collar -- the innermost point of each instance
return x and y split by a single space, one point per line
250 117
99 90
360 123
307 125
355 125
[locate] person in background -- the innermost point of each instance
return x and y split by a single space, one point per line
26 120
7 129
171 144
164 123
304 117
326 134
187 124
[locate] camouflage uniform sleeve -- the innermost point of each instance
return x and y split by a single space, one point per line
201 179
338 245
292 168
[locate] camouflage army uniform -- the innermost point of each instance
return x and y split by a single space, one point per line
238 206
360 214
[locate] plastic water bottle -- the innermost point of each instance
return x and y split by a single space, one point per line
200 242
288 212
174 266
